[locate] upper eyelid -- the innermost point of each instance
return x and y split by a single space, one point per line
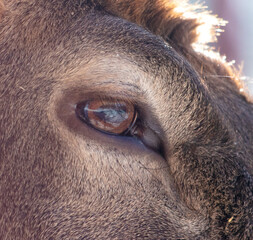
116 83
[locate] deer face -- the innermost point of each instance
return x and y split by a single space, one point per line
111 131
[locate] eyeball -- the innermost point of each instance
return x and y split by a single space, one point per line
112 117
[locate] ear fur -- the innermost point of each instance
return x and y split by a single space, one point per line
174 20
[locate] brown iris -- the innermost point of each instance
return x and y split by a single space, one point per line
113 117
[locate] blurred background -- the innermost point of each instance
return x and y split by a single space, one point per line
236 42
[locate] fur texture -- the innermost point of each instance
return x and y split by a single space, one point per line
62 179
2 9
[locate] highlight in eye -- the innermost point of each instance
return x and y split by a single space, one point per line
113 117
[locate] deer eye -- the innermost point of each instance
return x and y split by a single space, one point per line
112 117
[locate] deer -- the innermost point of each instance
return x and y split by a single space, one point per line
118 121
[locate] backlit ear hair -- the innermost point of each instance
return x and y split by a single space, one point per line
175 20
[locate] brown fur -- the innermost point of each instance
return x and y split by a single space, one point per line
62 179
2 9
158 17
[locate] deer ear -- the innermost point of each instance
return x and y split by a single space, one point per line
173 20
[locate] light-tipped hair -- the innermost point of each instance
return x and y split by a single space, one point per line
175 20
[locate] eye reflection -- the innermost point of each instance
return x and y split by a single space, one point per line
112 117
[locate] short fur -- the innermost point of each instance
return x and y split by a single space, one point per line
62 179
2 9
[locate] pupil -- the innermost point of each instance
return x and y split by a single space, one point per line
110 115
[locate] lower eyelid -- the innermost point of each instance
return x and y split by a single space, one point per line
126 143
